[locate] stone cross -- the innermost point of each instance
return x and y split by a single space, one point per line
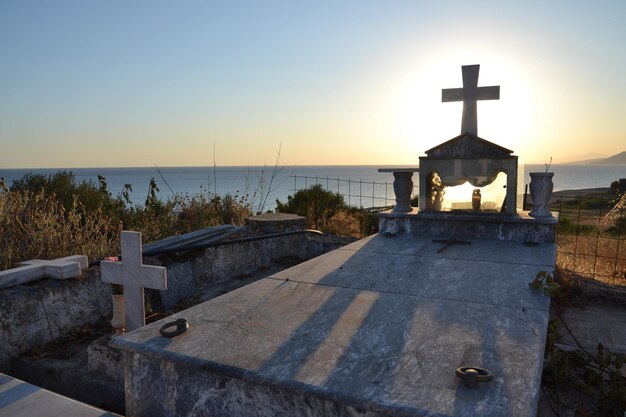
134 276
469 95
62 268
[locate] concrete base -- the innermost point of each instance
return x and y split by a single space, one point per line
518 227
376 328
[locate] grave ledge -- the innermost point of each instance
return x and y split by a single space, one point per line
499 226
154 349
250 379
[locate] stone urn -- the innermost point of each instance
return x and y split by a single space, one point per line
540 193
402 187
118 322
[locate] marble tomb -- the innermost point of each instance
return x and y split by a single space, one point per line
391 325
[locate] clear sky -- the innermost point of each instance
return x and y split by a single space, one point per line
134 83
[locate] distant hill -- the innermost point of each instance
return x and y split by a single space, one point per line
617 159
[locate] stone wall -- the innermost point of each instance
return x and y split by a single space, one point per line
224 262
46 310
187 271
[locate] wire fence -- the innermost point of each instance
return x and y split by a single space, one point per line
368 195
591 237
356 216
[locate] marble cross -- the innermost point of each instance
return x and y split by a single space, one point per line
469 95
134 276
62 268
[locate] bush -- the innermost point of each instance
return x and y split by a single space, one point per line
64 188
315 203
567 226
328 212
618 187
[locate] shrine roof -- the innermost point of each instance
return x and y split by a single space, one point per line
468 145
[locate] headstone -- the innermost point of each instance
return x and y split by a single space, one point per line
467 157
62 268
134 276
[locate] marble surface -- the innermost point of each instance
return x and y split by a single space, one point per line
134 276
375 328
21 399
518 227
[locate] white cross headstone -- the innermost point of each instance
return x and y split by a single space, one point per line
469 95
62 268
134 276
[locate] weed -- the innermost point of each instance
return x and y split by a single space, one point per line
544 282
595 379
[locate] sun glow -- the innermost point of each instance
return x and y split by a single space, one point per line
419 120
460 196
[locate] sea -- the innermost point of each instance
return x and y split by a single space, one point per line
361 185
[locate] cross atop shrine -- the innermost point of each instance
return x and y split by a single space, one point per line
469 95
134 276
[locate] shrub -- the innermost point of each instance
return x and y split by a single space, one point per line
328 212
63 186
618 187
315 203
567 226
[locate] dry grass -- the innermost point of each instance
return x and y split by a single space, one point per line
344 224
595 256
38 225
34 225
590 243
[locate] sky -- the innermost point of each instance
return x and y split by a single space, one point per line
193 83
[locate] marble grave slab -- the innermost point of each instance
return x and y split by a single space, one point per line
376 328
